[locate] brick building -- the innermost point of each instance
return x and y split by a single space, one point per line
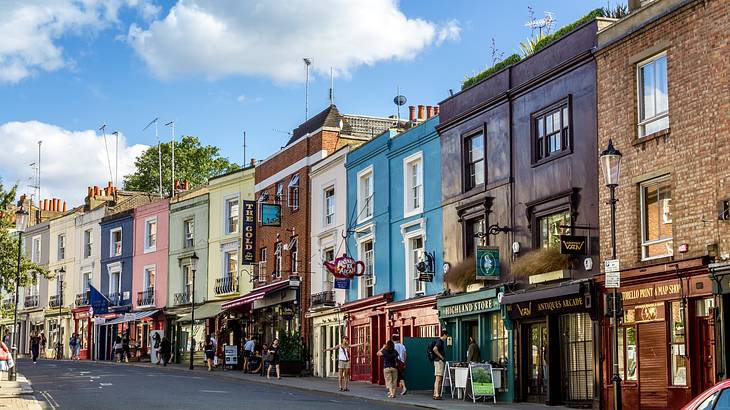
663 99
283 252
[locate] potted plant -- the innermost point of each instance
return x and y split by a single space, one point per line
291 353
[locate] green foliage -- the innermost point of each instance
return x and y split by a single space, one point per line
530 48
618 12
291 346
193 162
481 375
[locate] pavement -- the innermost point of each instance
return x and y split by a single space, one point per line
107 385
17 394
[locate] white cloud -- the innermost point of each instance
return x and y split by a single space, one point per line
215 38
71 160
241 98
30 31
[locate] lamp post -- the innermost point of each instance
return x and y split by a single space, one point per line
21 222
59 277
611 165
194 266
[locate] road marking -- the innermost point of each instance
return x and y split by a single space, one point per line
105 384
213 391
51 401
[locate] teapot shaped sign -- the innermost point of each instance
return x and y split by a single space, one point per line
345 267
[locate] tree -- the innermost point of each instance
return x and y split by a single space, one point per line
9 248
193 162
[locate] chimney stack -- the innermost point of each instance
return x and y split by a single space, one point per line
429 111
421 112
45 205
253 162
64 206
435 110
412 116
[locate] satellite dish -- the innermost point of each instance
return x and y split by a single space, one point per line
400 100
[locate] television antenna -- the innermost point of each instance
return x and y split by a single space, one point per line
159 150
399 100
106 148
546 23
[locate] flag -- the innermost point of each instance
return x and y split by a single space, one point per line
99 303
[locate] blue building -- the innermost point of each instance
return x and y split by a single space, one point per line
394 223
117 242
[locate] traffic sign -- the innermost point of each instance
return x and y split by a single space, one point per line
611 265
613 280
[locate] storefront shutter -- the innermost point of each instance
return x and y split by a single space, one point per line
653 365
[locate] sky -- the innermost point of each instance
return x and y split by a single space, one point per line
222 67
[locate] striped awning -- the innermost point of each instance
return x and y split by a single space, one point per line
132 317
256 294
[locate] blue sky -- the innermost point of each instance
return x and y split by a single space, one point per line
103 76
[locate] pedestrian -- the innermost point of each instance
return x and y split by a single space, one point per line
265 358
6 358
165 350
472 353
156 346
248 348
401 365
43 344
72 341
6 338
127 353
35 345
214 340
274 351
77 350
343 361
436 355
209 349
390 363
118 349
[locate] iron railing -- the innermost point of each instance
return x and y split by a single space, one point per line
226 285
55 301
82 299
183 298
115 298
31 301
326 298
146 297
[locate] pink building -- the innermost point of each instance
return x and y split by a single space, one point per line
149 270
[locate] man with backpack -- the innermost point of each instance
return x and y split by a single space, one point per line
436 352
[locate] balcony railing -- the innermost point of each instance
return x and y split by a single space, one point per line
226 285
183 298
115 299
31 301
55 301
146 298
322 299
82 299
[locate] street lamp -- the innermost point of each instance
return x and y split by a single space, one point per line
611 165
59 299
21 222
194 266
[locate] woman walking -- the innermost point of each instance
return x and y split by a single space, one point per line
6 359
390 367
343 361
118 349
35 346
265 359
156 347
209 349
274 351
165 350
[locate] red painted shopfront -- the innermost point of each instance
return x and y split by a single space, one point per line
367 325
413 317
83 327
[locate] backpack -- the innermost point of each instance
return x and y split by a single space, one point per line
429 351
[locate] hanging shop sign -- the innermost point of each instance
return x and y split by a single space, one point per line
487 262
565 304
345 267
342 283
270 214
573 244
249 232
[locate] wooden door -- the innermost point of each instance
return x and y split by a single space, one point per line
360 361
706 328
537 362
653 368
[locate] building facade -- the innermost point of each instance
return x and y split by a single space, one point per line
519 171
660 72
35 296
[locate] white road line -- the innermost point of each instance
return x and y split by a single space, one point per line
213 391
105 384
51 401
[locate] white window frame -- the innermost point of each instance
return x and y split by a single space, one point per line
294 255
225 270
61 240
36 248
112 248
148 246
187 285
641 123
263 253
327 276
85 285
146 271
279 195
362 281
278 259
414 287
188 235
111 269
409 190
329 218
645 244
293 192
364 202
227 215
89 244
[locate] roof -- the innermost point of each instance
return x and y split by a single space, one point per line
329 117
362 126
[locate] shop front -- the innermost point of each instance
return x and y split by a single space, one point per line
666 337
366 323
478 315
57 325
82 327
555 330
204 324
328 326
720 276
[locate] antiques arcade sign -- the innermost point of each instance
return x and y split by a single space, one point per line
566 304
249 232
573 245
468 308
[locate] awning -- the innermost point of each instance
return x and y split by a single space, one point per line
256 294
132 317
548 293
205 311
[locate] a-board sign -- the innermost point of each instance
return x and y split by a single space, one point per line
231 354
482 381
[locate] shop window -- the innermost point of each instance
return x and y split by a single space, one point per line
628 359
499 339
677 332
471 228
656 219
577 356
551 227
551 132
653 96
427 331
473 161
704 307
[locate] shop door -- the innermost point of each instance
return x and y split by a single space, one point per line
706 339
470 328
360 362
537 364
653 372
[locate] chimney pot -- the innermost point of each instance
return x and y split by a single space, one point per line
421 112
45 205
253 162
96 191
429 111
55 204
435 110
412 115
64 206
89 191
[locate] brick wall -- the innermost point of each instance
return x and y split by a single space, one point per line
695 151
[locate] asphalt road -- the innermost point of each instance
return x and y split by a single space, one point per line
87 385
